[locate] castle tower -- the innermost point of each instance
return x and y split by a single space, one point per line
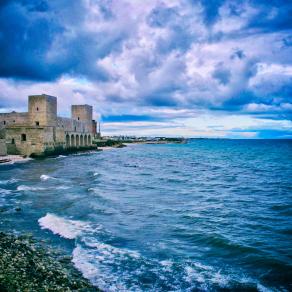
42 110
82 113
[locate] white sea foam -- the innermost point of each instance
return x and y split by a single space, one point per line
90 263
66 228
45 177
63 188
29 188
61 156
111 252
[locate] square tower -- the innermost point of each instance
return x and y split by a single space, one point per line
42 110
82 112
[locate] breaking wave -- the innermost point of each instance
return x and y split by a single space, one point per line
66 228
45 177
117 269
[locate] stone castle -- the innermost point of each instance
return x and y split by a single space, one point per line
40 131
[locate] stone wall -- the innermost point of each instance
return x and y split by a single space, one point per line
71 125
13 118
26 140
3 148
41 130
81 112
42 110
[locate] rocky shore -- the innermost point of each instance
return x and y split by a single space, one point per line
10 159
25 265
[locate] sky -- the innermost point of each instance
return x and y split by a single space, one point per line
205 68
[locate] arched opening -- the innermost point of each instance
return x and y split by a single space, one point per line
67 141
72 141
81 140
77 140
89 140
23 137
85 140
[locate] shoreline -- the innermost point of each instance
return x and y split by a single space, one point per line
27 265
11 159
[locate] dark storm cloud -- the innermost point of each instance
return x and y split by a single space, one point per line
232 56
26 36
42 40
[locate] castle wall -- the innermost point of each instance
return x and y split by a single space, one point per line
42 110
13 118
71 125
41 130
25 140
81 112
3 148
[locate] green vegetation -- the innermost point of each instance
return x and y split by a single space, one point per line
26 266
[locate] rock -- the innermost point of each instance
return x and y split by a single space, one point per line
26 266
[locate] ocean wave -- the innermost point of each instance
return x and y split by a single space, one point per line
66 228
95 264
9 181
45 177
5 192
110 268
63 187
206 278
29 188
61 156
97 192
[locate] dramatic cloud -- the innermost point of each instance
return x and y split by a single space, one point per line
155 67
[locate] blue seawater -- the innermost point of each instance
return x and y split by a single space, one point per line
208 215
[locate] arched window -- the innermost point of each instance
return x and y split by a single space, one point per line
72 141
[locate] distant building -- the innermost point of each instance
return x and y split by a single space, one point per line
40 130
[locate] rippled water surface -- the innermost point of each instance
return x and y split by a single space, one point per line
207 215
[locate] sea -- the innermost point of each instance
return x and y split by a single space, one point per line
208 215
